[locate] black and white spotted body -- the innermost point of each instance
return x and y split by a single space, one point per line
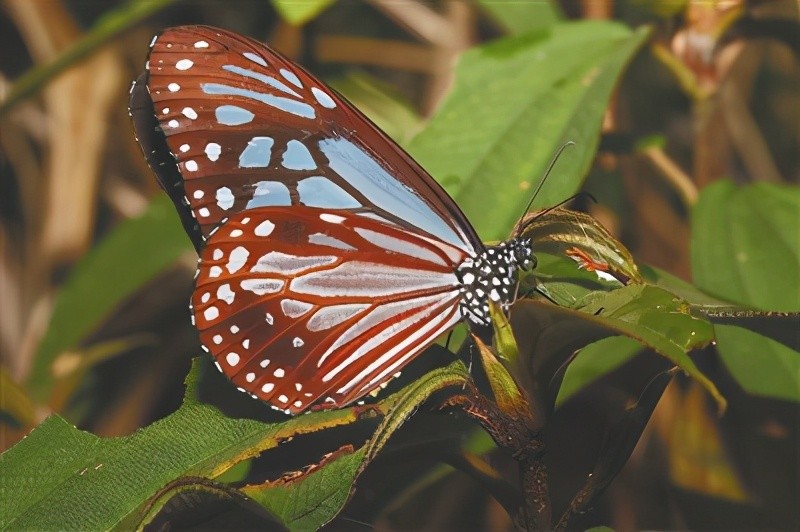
490 276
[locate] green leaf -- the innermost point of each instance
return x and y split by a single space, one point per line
521 17
411 397
381 104
207 504
298 12
594 361
562 281
507 393
15 402
745 244
759 364
107 27
141 248
686 291
64 478
582 238
313 497
514 103
503 335
660 321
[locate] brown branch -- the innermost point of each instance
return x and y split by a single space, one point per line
419 20
378 52
673 174
524 445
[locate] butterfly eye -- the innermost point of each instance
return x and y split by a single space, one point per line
523 255
329 259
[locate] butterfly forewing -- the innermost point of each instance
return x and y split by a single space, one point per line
248 128
300 305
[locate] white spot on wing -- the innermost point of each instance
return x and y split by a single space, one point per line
262 286
225 293
211 313
323 98
328 317
291 77
213 151
232 359
294 309
265 228
255 58
173 87
184 64
331 218
277 262
201 44
237 259
225 198
325 240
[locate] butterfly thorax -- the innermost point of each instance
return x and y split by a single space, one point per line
491 276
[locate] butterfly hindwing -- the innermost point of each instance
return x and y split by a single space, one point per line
300 305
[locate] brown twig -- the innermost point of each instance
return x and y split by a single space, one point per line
524 445
673 174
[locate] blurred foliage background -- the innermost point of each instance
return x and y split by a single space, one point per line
712 99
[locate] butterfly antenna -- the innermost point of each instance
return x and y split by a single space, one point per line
542 182
579 194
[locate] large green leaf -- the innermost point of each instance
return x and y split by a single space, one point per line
594 361
746 244
67 479
521 17
548 334
130 256
298 12
760 365
305 501
659 320
514 103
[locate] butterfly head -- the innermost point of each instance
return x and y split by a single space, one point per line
523 253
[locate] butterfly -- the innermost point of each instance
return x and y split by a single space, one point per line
328 258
